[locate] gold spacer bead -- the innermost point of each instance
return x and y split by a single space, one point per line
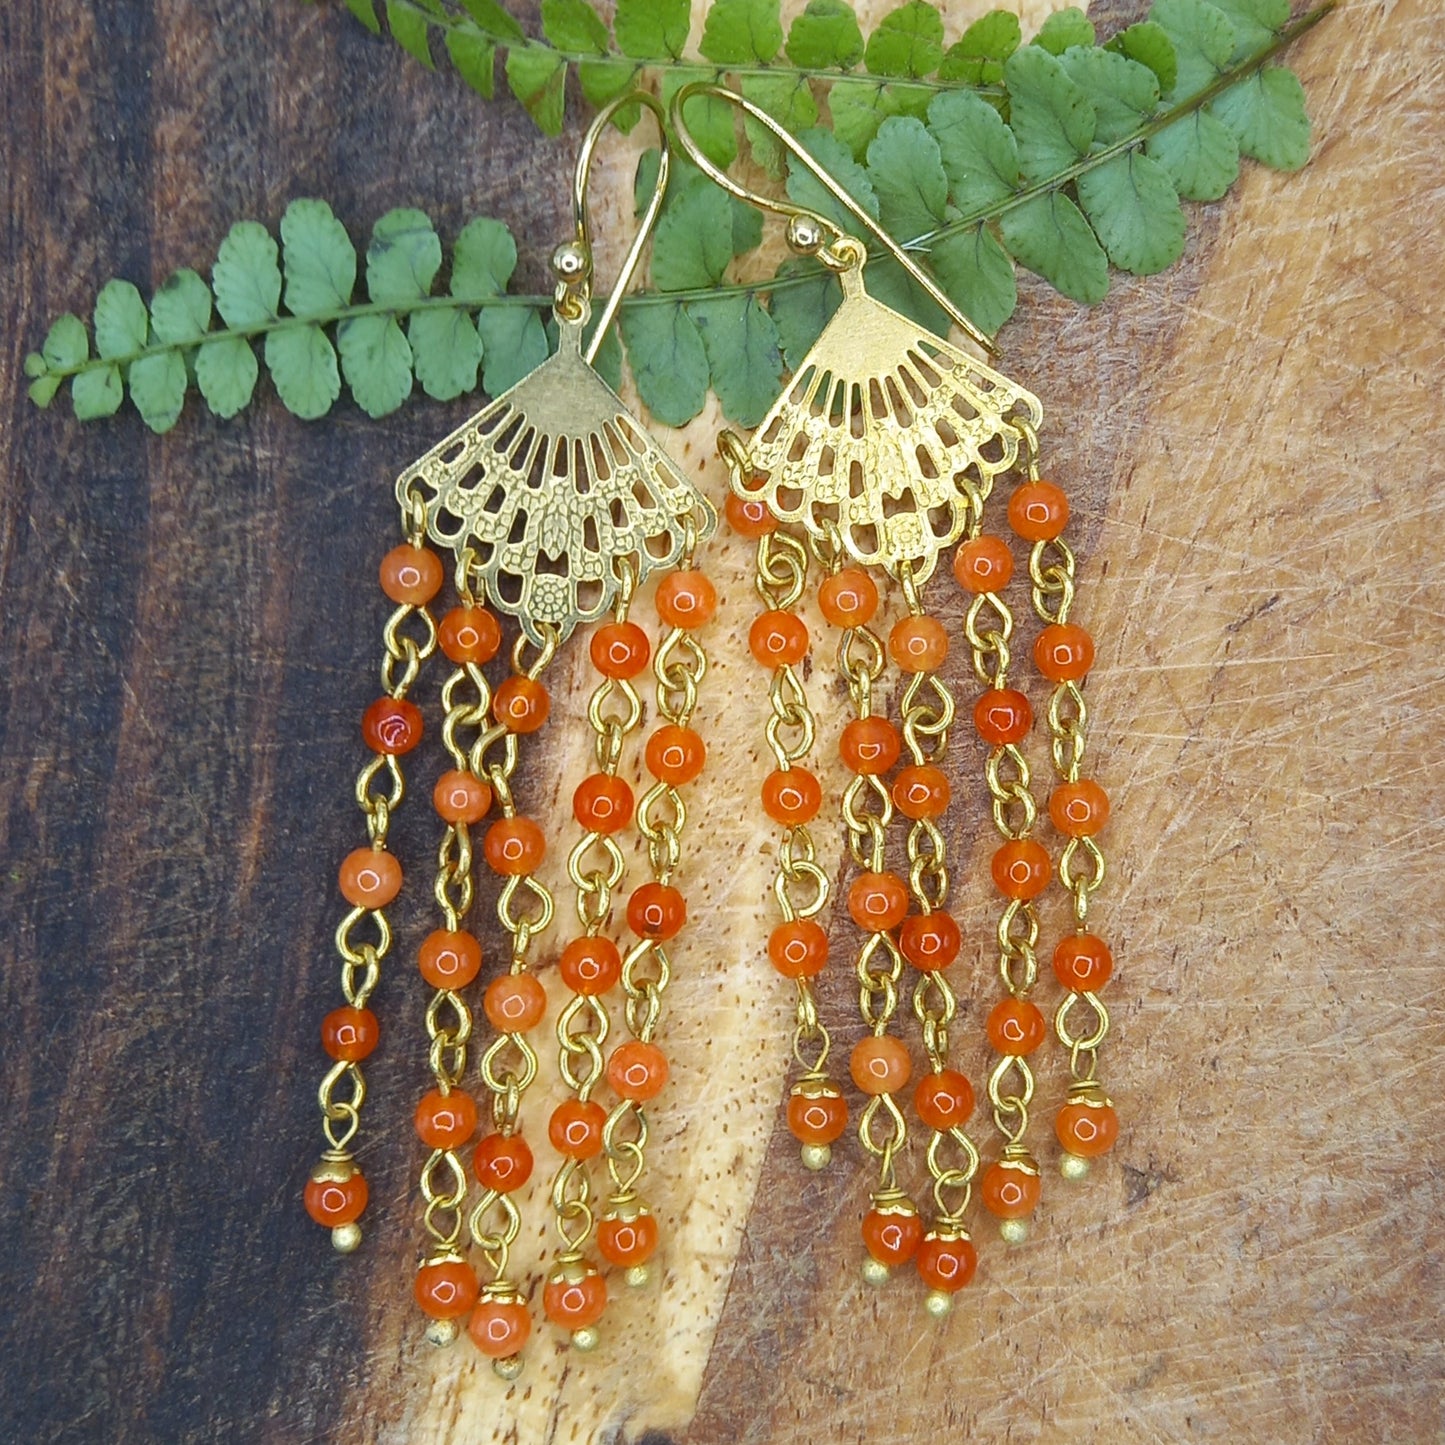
874 1272
817 1156
1074 1166
441 1332
938 1303
805 235
345 1238
1013 1231
638 1276
586 1339
570 262
509 1368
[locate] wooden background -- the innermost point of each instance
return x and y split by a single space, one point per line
191 631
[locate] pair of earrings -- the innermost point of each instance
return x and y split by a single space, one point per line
882 452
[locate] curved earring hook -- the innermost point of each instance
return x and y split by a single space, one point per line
572 261
822 241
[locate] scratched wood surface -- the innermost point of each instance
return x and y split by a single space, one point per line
191 630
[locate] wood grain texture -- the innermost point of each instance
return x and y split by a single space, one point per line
1253 442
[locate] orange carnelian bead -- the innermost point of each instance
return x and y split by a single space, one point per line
514 1003
500 1327
675 755
514 846
1003 716
1010 1190
620 649
946 1261
749 516
880 1064
590 965
798 949
893 1233
503 1162
334 1202
921 791
521 704
878 901
848 598
449 960
1016 1026
1080 809
575 1297
918 644
984 565
1063 652
627 1237
1087 1130
469 634
656 911
349 1033
369 878
1038 511
869 745
637 1071
930 941
943 1100
461 798
1021 869
391 725
1083 963
686 599
817 1112
575 1128
445 1290
411 575
602 804
778 639
792 796
445 1121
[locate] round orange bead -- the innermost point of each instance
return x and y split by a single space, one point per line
391 725
892 1235
575 1300
514 846
350 1033
521 704
1083 963
1038 511
817 1112
1079 810
575 1128
1087 1130
602 804
333 1202
869 745
778 639
848 598
878 901
499 1328
629 1239
984 565
1003 716
675 755
590 966
503 1162
946 1262
449 960
1015 1026
1010 1192
469 634
1021 869
514 1003
880 1064
921 791
918 644
686 599
792 796
461 798
445 1290
445 1121
620 649
637 1071
930 941
798 949
749 516
369 878
1064 653
656 911
411 575
943 1100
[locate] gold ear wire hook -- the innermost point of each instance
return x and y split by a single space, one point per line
828 234
572 261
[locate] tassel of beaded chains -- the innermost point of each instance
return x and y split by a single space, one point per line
930 939
1010 1186
1086 1125
370 878
449 960
515 1003
591 964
